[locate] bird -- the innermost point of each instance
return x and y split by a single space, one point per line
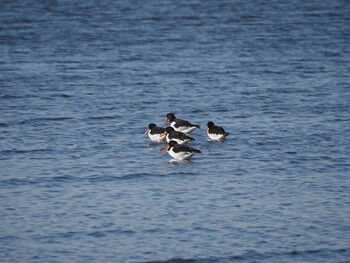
179 137
215 133
154 132
180 152
180 125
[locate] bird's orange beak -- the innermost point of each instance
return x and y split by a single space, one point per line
166 120
146 131
162 135
206 130
164 148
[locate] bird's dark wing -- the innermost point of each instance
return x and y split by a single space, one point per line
217 130
185 123
181 136
184 148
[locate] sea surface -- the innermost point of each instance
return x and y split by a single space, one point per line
81 80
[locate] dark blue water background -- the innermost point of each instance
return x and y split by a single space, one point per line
81 80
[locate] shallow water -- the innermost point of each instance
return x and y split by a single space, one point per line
80 82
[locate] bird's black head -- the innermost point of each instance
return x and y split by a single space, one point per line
172 143
170 116
210 124
151 126
169 129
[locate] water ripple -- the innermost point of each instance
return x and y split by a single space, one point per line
323 255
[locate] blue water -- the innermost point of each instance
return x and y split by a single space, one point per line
81 80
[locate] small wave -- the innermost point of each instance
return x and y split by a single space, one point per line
61 95
15 182
21 151
107 117
40 180
10 238
177 260
134 176
270 256
279 90
45 119
9 97
47 181
221 110
131 176
111 178
242 116
150 102
291 152
332 54
72 234
196 111
17 96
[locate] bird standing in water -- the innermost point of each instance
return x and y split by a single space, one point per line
179 137
180 125
154 132
180 152
215 133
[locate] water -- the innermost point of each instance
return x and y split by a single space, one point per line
81 80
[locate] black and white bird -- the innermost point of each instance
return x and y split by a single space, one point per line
180 152
154 132
177 136
180 125
215 133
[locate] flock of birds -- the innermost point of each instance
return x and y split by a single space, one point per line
177 136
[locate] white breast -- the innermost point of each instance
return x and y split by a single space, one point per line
181 155
155 137
216 137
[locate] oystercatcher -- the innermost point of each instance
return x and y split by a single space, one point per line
180 125
180 152
179 137
215 133
154 132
